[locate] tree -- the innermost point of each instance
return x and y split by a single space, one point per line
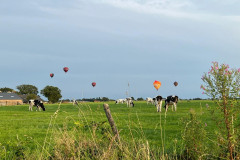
5 89
27 89
105 99
31 96
52 93
222 84
140 99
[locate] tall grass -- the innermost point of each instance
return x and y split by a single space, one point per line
91 140
84 133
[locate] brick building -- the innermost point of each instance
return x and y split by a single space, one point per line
10 99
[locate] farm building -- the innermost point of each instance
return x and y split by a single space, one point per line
8 99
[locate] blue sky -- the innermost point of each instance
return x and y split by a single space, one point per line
116 42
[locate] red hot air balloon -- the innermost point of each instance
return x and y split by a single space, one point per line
175 84
65 69
157 84
93 84
51 75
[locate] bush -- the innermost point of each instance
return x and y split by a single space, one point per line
222 84
194 137
52 93
140 99
31 96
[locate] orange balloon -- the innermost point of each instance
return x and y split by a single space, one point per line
157 84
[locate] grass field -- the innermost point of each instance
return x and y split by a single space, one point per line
140 123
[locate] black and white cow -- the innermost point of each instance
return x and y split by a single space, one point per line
158 103
171 100
118 101
154 101
129 102
149 100
37 103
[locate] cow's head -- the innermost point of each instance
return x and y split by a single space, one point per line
159 98
42 106
31 101
176 99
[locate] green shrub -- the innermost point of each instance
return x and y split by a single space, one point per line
194 137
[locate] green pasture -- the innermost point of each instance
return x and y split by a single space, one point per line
17 124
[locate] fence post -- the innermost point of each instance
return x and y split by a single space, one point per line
110 120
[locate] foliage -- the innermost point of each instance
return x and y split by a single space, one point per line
98 99
194 137
87 134
31 96
27 89
222 84
197 99
5 89
52 93
140 99
105 99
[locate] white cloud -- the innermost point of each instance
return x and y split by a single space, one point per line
197 10
163 7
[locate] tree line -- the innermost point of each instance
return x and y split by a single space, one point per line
53 94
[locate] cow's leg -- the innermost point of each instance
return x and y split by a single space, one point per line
172 106
160 106
175 106
166 107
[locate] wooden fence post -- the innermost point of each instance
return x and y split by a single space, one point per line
110 120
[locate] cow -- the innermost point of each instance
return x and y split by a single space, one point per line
74 102
149 100
120 101
37 103
154 101
158 103
129 102
171 100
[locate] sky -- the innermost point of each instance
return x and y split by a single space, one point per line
115 43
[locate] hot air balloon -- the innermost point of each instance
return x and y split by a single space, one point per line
175 84
93 84
65 69
157 84
51 75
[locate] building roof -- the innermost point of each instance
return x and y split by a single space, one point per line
9 96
